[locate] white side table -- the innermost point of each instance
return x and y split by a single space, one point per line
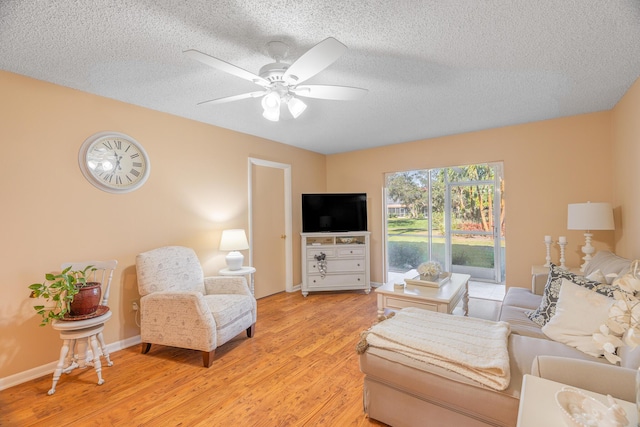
243 271
538 405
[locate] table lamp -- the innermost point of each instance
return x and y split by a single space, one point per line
589 216
234 240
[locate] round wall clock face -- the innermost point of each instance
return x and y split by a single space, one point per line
114 162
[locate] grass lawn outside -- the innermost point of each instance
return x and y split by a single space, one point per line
408 246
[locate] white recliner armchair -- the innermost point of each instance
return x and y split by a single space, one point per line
179 307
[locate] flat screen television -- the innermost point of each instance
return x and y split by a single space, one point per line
334 212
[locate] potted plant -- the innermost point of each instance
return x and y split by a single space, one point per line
69 292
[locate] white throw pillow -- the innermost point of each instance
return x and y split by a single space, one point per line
597 276
611 277
579 313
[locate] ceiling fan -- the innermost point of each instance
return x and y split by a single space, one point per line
281 82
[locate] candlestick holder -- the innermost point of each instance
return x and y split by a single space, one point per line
562 244
548 242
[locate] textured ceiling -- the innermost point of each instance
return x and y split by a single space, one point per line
432 67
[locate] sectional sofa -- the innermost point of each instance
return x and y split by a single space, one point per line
397 393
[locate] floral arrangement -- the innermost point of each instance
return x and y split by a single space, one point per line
623 326
429 268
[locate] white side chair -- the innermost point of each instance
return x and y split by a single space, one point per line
78 335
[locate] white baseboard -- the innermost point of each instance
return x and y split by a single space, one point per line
48 368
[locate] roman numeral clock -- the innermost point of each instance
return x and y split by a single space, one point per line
114 162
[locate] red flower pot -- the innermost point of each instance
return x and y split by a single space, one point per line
87 299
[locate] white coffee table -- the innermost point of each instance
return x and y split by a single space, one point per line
443 299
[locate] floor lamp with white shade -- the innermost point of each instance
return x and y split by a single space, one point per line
589 217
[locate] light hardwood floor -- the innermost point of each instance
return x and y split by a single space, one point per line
299 369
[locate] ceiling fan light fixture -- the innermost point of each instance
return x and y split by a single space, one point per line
271 101
271 105
296 107
273 115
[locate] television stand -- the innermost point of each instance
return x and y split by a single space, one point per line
335 261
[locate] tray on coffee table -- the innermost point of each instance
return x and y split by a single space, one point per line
444 278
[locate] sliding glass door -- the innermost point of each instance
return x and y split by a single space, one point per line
453 215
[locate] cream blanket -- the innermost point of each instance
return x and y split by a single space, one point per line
474 348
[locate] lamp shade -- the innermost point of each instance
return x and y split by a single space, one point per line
296 107
233 240
590 216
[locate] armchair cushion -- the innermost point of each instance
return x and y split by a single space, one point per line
226 285
228 308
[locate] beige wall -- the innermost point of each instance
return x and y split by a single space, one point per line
547 165
626 172
50 214
198 186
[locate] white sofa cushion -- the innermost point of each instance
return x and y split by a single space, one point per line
521 297
607 263
630 357
598 276
547 308
597 377
579 314
520 323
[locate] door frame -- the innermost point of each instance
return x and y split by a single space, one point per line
288 244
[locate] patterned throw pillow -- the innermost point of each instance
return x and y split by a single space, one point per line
547 307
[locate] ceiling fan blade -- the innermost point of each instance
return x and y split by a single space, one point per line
336 93
226 67
235 97
314 60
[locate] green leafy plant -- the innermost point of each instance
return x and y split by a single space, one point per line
58 289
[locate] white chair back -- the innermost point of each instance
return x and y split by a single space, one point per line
170 268
103 273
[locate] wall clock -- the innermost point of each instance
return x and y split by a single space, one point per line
114 162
